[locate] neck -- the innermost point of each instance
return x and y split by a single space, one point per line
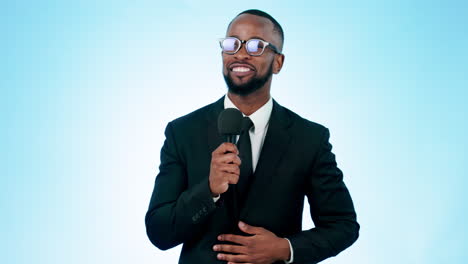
249 104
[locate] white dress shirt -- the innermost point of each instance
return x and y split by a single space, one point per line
260 120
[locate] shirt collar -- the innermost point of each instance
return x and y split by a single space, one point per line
260 118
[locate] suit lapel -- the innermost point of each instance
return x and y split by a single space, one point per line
276 143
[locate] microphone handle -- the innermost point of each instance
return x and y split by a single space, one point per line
231 139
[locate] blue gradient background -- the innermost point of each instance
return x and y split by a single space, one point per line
87 88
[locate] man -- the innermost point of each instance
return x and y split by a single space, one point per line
227 206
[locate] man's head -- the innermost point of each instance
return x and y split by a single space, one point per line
244 72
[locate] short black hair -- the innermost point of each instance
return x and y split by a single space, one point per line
276 26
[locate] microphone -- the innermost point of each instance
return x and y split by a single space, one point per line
230 124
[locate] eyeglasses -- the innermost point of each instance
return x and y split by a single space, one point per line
254 47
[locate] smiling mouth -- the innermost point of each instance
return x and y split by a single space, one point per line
241 69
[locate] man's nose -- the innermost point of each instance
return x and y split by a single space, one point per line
242 53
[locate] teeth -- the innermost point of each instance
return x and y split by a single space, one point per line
240 69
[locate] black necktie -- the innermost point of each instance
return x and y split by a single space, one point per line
245 153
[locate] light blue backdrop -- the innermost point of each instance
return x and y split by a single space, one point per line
87 88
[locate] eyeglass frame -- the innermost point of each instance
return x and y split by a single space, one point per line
265 43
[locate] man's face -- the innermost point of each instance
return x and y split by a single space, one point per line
242 72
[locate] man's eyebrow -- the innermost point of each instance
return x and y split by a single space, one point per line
254 37
257 37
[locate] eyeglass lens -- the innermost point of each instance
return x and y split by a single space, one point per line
253 46
230 45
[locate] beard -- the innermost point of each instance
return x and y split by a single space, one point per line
249 87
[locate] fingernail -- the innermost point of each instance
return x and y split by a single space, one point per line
220 238
241 224
215 248
220 256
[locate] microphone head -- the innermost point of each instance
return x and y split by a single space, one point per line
230 122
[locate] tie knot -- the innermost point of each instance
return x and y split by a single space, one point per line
247 124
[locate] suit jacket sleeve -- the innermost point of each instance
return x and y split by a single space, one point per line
331 209
176 212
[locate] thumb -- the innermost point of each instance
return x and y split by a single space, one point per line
253 230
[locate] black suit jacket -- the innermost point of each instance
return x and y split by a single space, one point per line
295 161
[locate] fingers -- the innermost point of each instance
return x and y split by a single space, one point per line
228 158
241 240
229 178
220 184
230 169
233 178
224 168
230 249
226 147
233 258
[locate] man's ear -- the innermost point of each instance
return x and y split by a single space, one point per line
278 63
